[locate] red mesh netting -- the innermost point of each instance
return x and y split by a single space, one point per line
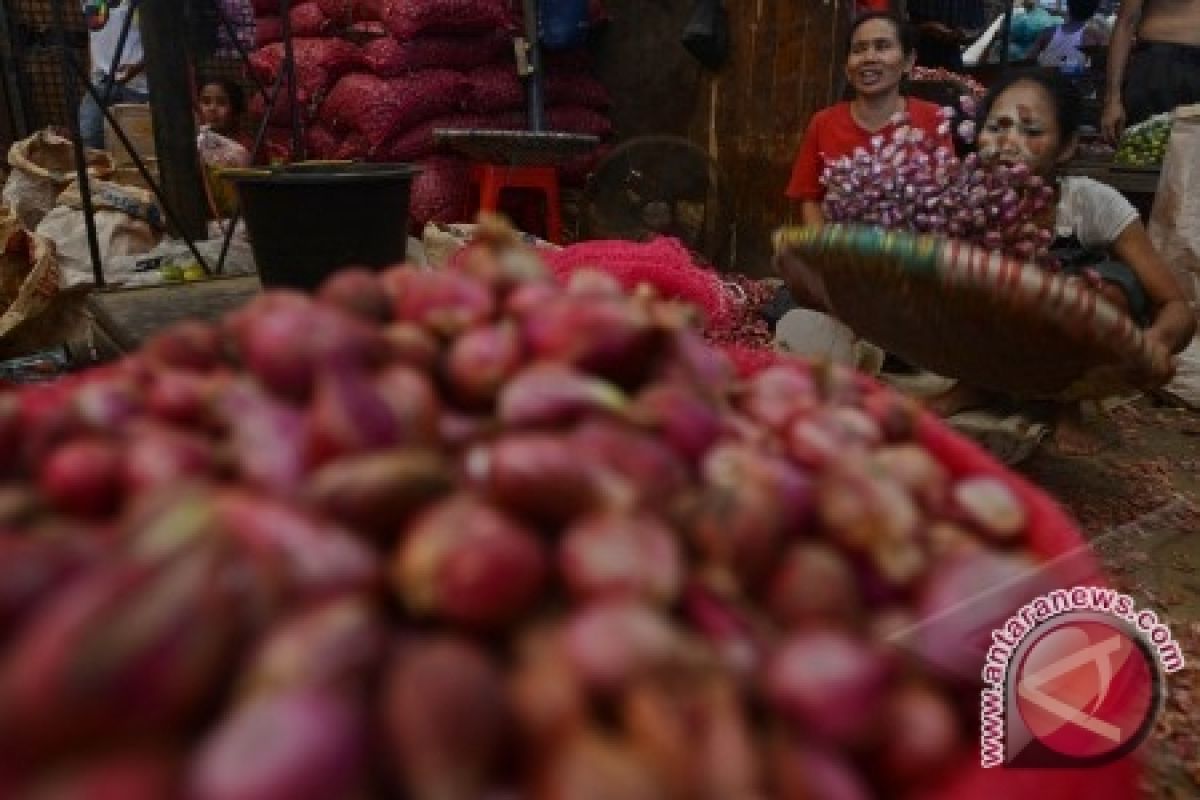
345 12
267 30
408 18
417 143
308 20
663 263
494 87
576 88
319 62
441 192
390 57
377 108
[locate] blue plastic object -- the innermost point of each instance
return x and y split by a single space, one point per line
563 24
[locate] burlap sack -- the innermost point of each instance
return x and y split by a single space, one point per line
128 222
42 166
29 274
1175 218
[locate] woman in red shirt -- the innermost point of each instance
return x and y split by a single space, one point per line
882 52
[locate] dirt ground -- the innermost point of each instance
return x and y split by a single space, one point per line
1138 501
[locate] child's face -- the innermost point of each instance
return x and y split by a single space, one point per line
216 110
1022 128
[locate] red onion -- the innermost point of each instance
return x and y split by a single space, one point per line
920 734
157 457
481 361
617 555
444 713
609 644
546 696
530 298
688 422
991 507
612 338
917 471
802 771
332 646
376 493
268 439
190 345
551 395
813 585
776 395
647 463
414 404
356 291
590 766
106 406
542 478
183 398
300 745
349 415
34 570
411 345
126 775
722 616
445 302
827 683
466 562
83 478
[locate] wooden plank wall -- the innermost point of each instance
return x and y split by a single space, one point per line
785 64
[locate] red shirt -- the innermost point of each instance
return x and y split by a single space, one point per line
834 133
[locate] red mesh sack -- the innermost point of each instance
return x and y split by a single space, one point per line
322 143
663 263
407 18
308 19
265 7
319 62
417 143
577 59
346 12
576 89
277 145
577 119
492 88
376 108
281 114
390 57
441 192
267 30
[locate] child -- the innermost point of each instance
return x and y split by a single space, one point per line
1033 117
220 105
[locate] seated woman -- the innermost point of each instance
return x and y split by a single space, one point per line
1059 47
1033 118
221 143
220 106
881 53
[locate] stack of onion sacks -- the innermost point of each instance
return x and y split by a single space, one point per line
467 534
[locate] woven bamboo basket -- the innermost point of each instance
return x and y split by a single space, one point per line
968 314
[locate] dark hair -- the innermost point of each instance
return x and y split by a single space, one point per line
237 98
1082 10
904 31
1068 104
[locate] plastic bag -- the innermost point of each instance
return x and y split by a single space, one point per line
1175 219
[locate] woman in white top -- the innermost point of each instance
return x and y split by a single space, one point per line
1033 118
1060 47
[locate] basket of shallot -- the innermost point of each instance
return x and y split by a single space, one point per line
472 534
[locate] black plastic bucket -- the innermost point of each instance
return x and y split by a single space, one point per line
306 220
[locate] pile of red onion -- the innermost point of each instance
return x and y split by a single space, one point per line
909 181
468 534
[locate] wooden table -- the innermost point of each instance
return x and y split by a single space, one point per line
1127 180
128 317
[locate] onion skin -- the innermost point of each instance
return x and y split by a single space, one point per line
410 345
301 745
776 395
465 562
651 468
550 395
156 457
827 683
444 714
358 292
83 478
268 439
191 345
377 493
614 555
481 361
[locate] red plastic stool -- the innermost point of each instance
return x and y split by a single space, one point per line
492 179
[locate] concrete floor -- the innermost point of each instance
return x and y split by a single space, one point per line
1139 502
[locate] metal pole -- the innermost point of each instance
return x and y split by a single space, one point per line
126 24
81 167
164 32
533 82
289 67
9 63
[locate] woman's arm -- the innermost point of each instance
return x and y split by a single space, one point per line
1174 323
811 213
1112 120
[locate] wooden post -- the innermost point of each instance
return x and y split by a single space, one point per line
164 33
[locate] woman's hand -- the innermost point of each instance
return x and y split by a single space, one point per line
1161 367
